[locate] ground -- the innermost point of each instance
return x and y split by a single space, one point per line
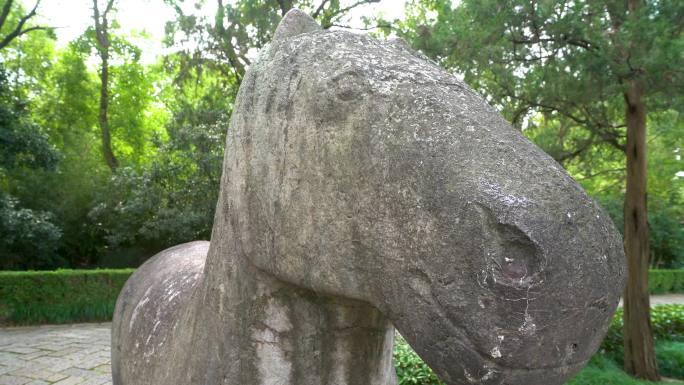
60 355
79 353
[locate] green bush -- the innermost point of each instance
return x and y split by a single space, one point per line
62 296
666 281
667 323
411 370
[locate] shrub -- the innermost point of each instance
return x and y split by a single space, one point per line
60 296
667 323
666 281
411 370
29 237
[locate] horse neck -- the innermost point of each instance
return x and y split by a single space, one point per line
265 331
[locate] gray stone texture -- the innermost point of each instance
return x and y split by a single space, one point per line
365 188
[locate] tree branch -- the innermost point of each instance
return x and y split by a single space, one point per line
318 10
19 29
360 2
577 42
101 23
602 172
5 12
603 129
388 26
283 7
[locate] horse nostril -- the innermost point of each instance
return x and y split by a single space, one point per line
516 256
513 269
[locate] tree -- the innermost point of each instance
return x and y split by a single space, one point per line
103 50
172 198
240 28
68 109
596 69
11 30
29 237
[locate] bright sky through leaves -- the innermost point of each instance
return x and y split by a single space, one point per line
72 17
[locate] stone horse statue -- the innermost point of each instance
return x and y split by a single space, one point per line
364 188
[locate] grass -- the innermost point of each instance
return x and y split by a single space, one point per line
601 370
671 358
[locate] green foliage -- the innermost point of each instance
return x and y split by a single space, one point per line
667 324
665 189
60 296
29 238
24 144
671 359
64 103
411 370
172 198
666 281
225 43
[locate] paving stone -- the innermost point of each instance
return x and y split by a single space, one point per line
37 354
38 374
70 381
56 355
65 352
13 380
6 369
97 380
19 349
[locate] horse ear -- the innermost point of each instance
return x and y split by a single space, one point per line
295 22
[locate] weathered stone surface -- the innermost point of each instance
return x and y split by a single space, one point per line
363 186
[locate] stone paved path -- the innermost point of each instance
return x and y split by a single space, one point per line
60 355
667 298
663 299
78 354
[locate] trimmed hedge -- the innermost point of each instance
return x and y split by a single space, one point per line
62 296
666 281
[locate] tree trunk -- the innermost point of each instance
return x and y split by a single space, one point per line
639 353
102 39
103 120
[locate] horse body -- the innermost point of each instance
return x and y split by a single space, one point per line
364 187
